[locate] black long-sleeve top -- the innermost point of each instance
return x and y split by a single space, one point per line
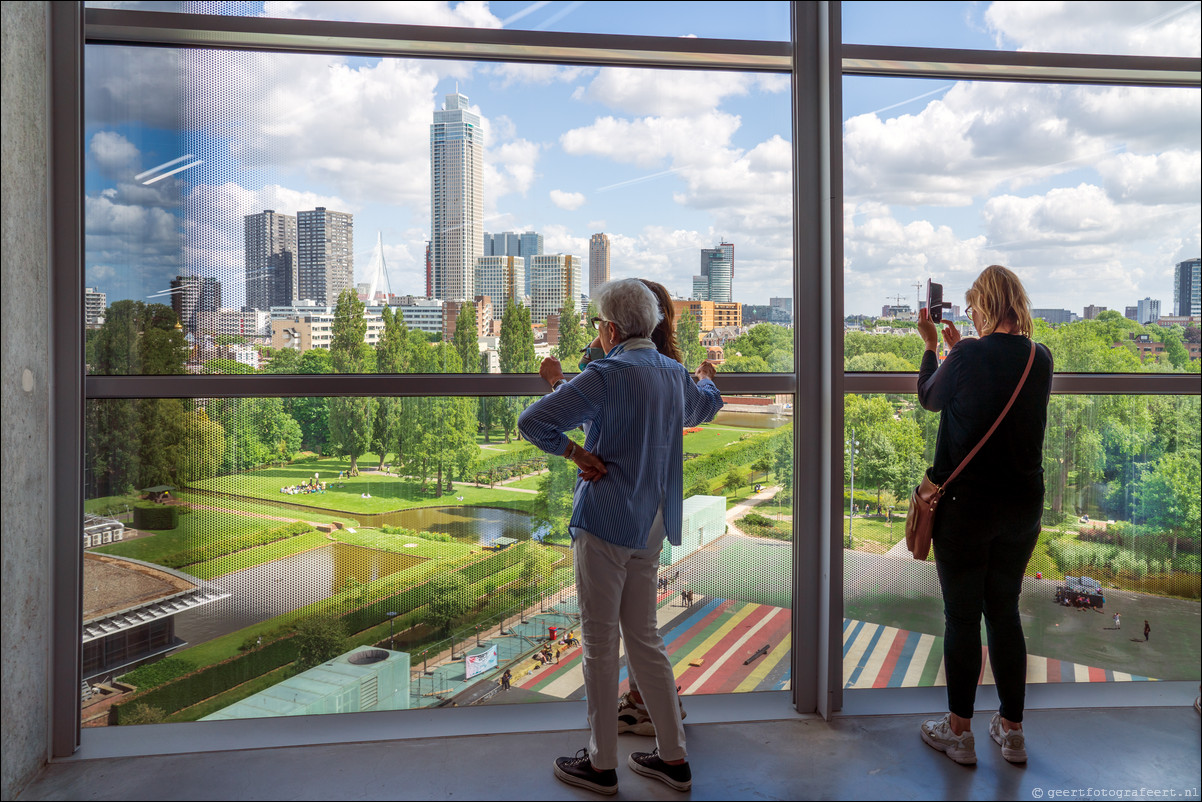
971 388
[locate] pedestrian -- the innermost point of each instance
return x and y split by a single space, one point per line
506 679
684 598
1117 624
988 520
1147 629
635 403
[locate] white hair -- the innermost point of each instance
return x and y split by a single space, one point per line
630 304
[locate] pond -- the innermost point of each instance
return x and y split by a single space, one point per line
281 586
751 420
481 525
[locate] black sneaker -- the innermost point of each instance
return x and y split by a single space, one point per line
579 771
649 764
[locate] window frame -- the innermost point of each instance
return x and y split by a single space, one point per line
815 58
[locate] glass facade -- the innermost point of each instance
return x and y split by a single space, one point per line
182 147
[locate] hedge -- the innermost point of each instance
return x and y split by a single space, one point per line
220 548
736 455
155 516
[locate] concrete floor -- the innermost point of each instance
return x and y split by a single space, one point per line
1110 750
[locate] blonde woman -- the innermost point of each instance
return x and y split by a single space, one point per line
989 519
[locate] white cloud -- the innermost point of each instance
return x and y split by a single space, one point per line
141 85
1172 177
650 141
510 168
467 14
114 155
668 93
1169 28
569 201
508 74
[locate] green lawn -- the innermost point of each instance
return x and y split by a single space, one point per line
711 438
257 555
201 526
387 493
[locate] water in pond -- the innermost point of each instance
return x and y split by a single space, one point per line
751 420
481 525
283 585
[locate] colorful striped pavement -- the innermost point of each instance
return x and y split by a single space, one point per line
709 642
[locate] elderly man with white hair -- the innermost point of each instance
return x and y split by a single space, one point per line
634 405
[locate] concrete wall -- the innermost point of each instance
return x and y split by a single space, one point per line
25 434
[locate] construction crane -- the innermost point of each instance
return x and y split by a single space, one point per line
917 296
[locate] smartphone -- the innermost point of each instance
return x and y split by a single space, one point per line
935 302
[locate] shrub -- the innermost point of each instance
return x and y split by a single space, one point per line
220 548
142 713
156 516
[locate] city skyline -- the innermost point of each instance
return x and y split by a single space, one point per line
1088 208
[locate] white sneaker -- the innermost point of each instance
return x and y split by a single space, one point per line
1014 745
937 733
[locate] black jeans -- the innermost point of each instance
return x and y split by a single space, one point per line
982 548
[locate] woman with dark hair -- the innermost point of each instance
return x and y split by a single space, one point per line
988 521
664 335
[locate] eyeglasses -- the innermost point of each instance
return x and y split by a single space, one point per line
597 321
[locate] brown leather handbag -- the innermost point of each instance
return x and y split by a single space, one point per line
920 520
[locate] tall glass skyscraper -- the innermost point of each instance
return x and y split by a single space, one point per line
456 199
598 262
717 274
1186 298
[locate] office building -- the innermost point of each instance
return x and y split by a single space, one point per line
1091 312
94 305
530 244
271 261
251 325
326 251
507 243
501 278
1186 299
598 262
555 279
1054 317
717 274
711 314
456 198
429 272
196 300
1147 311
1131 312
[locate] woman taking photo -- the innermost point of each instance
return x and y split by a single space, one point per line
988 521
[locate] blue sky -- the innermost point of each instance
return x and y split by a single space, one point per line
1090 193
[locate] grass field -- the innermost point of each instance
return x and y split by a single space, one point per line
202 526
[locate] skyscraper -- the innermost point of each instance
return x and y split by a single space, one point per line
507 243
530 244
501 278
598 262
717 273
94 305
555 280
196 300
1186 298
326 250
1148 310
271 263
456 198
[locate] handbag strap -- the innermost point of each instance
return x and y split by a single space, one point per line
1010 403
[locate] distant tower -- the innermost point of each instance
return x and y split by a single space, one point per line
530 244
271 264
377 271
196 300
503 279
456 198
598 262
1187 301
556 280
717 273
326 247
429 272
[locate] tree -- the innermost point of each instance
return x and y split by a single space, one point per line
352 420
319 639
516 351
138 338
465 338
688 338
769 342
572 337
204 447
450 598
390 358
553 506
1168 495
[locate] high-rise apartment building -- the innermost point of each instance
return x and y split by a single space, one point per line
1186 299
598 262
196 301
717 274
1091 312
94 304
271 263
1148 310
429 272
530 244
555 279
501 278
456 198
326 255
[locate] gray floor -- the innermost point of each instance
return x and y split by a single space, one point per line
1109 750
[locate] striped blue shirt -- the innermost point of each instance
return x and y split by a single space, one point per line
634 405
